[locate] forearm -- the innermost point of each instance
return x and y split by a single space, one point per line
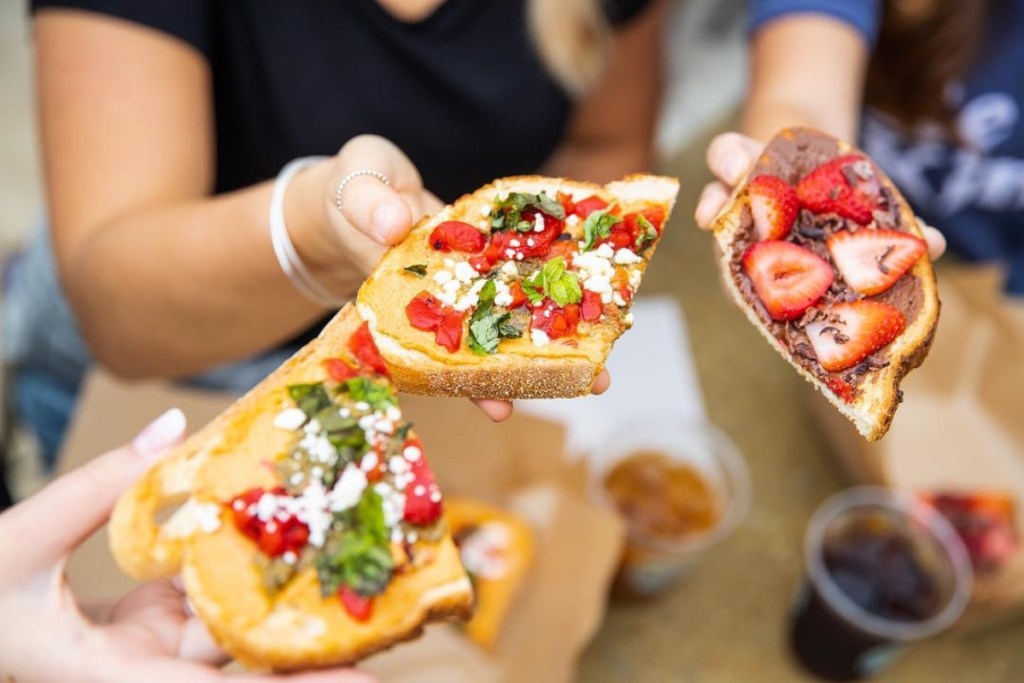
172 290
600 163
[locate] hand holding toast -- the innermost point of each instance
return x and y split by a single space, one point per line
729 156
47 635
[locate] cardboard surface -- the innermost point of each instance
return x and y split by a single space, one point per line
960 425
520 464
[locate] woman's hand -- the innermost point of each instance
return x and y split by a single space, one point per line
148 635
729 157
375 216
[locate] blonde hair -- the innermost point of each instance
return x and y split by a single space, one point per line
573 38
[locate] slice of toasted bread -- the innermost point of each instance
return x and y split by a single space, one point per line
791 155
496 548
532 366
294 627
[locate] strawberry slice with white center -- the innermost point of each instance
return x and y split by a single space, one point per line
853 331
871 261
774 206
787 278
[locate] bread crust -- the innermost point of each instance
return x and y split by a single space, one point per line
519 370
295 628
873 409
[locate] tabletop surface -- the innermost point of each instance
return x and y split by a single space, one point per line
727 621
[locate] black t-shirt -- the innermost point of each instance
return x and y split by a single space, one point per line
462 92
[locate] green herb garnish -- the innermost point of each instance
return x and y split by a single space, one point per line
310 398
366 390
360 556
598 224
417 269
507 213
647 235
487 326
555 281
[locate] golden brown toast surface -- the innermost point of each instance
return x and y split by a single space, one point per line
295 627
520 368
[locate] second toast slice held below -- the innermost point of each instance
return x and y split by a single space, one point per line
518 290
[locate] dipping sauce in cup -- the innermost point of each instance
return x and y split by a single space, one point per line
679 489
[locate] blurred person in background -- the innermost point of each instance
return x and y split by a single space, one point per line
933 90
164 124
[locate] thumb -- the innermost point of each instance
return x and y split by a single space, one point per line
730 156
373 207
70 509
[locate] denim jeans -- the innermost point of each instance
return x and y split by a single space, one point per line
48 358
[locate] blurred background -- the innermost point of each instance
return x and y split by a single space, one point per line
726 622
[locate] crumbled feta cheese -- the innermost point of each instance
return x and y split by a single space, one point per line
539 338
625 257
502 294
393 413
207 516
485 210
519 256
572 219
290 419
369 462
596 271
510 253
398 464
289 557
509 269
449 263
619 301
465 273
412 453
447 298
348 489
531 242
514 243
605 251
628 319
634 278
442 276
538 222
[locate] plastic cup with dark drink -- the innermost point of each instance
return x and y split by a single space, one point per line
883 570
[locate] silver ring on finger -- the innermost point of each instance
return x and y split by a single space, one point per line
352 176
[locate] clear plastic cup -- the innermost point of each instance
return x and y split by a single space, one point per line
652 564
835 637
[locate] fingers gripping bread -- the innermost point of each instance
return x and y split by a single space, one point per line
251 562
866 391
549 346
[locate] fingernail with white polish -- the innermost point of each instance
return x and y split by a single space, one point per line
385 217
161 435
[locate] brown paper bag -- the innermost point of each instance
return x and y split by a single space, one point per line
961 426
520 464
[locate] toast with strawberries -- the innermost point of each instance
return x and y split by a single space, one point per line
828 261
304 520
518 290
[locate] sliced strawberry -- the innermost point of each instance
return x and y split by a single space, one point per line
357 606
787 278
458 236
587 206
841 388
423 504
871 261
591 307
339 370
853 331
845 185
774 206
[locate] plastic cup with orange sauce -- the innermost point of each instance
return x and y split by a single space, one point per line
680 488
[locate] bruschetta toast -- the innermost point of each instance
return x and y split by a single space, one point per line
518 290
308 528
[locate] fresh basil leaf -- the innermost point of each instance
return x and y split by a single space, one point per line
487 327
366 390
553 280
598 224
418 269
402 433
533 289
507 213
360 555
510 328
648 233
566 290
310 398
